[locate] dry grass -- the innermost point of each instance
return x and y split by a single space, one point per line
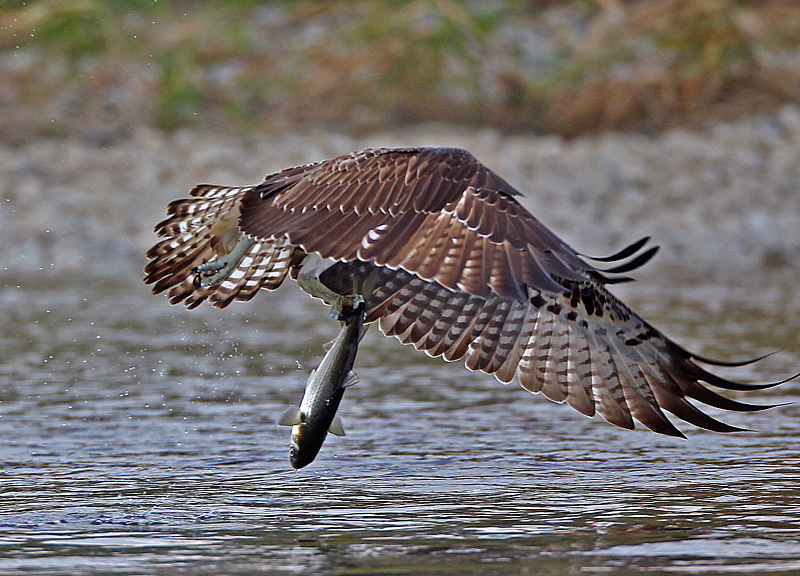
100 67
658 62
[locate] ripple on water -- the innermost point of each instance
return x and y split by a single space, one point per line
141 438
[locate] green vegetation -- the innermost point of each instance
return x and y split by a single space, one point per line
107 65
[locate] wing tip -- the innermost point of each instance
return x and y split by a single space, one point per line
638 260
627 251
728 363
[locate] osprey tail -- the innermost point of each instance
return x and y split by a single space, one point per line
205 229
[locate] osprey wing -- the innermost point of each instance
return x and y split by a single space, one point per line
584 347
437 213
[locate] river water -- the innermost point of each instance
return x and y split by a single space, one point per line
140 438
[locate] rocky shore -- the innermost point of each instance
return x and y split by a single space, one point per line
725 198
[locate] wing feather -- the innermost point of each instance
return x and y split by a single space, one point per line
515 363
607 386
586 349
577 373
508 335
526 372
437 339
462 326
547 362
432 193
486 337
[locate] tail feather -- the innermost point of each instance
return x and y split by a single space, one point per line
201 229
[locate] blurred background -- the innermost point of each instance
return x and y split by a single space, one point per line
99 68
606 113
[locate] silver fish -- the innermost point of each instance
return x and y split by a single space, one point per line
316 415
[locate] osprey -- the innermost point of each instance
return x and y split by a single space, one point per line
446 259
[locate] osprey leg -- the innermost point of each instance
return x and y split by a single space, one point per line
215 271
309 277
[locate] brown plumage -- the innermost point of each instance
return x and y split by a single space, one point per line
463 271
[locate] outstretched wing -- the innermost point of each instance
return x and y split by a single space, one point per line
583 346
437 213
463 271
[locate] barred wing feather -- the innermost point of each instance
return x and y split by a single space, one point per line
611 361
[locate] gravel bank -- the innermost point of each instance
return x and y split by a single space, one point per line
725 199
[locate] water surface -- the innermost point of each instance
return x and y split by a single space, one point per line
140 438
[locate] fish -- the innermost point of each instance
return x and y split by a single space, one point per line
316 415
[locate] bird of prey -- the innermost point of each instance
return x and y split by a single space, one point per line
446 259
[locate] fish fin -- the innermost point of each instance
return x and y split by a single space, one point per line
351 380
336 428
290 417
328 345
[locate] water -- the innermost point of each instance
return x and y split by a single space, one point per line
140 438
